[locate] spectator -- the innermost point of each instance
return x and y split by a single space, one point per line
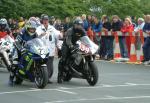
85 22
108 40
52 21
58 25
146 46
89 20
133 19
128 28
116 26
97 27
51 36
10 22
139 27
90 31
21 23
15 29
67 24
97 24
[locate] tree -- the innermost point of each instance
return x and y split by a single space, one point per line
63 8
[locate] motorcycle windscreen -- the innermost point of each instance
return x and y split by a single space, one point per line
37 46
93 47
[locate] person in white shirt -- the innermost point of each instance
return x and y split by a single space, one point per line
51 37
141 24
139 27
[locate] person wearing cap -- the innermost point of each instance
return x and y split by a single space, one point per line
51 36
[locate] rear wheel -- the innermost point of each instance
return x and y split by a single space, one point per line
41 77
92 77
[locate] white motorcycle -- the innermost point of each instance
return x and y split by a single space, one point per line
6 49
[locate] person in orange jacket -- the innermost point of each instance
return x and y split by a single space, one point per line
128 28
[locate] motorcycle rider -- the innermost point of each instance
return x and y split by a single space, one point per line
51 35
71 37
27 33
4 30
4 27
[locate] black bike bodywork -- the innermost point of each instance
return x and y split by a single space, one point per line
79 64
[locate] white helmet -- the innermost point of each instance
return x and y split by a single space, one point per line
30 25
3 23
36 20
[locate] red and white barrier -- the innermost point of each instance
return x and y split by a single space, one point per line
133 54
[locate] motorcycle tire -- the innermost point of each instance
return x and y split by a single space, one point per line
67 77
18 80
41 77
93 76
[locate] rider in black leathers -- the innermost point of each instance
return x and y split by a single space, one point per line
71 37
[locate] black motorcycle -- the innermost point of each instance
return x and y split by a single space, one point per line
80 63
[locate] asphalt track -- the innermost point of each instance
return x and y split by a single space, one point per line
118 83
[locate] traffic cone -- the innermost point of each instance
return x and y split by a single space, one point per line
133 57
142 43
141 54
117 53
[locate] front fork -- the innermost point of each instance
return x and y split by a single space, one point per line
86 65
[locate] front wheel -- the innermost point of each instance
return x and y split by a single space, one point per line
41 77
18 80
92 77
67 77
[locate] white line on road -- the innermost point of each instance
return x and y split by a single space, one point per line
96 99
64 88
66 91
13 92
132 84
109 86
36 90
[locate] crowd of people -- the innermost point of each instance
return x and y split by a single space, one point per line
94 24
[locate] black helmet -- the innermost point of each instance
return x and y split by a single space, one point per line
78 21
